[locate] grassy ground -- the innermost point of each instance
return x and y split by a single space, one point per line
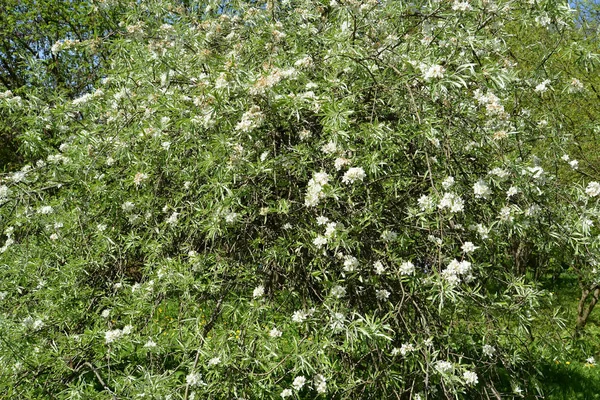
565 373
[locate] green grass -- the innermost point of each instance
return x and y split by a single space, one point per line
565 375
564 381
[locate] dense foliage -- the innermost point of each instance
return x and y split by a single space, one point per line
302 198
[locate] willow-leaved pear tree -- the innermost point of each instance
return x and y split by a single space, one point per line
300 199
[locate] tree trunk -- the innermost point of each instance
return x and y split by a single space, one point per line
584 312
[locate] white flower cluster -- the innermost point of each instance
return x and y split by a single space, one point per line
444 367
407 268
258 292
469 247
499 172
63 45
542 86
251 120
353 174
455 270
314 191
300 316
593 189
575 86
33 324
407 348
490 101
115 334
461 6
452 202
481 189
425 203
268 81
4 193
488 350
84 98
350 264
432 71
319 382
194 379
379 267
470 378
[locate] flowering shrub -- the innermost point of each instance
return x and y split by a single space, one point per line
293 199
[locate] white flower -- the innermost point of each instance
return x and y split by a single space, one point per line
461 6
389 236
127 329
407 348
433 71
139 178
320 383
46 210
499 172
106 313
320 241
488 350
565 157
574 164
172 220
382 294
448 182
481 189
425 203
214 361
299 382
305 134
353 174
542 87
111 336
166 145
314 191
275 333
407 268
340 162
286 393
575 85
593 189
299 316
469 247
258 292
512 191
128 206
54 236
443 367
150 344
505 214
329 148
250 120
379 267
330 229
452 201
350 263
470 378
4 192
194 379
591 361
338 291
37 324
322 220
337 321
